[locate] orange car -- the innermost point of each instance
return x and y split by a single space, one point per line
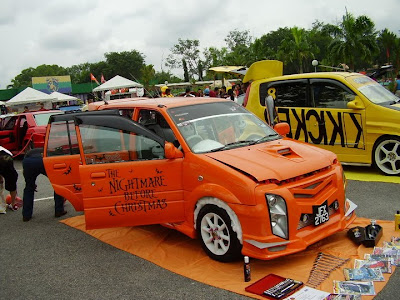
206 167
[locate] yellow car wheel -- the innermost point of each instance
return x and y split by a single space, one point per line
387 155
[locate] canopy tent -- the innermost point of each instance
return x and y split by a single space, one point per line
117 82
29 96
60 97
238 70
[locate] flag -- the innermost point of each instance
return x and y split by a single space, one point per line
102 79
92 78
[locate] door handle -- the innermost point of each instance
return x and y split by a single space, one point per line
60 166
98 175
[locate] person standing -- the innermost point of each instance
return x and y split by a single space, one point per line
33 166
188 93
396 88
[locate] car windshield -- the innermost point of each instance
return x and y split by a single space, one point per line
43 119
219 126
374 91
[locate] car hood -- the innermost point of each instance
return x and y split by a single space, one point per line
281 159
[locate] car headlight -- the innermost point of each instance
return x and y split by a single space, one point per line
278 215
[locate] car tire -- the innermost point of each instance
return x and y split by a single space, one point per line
214 228
387 155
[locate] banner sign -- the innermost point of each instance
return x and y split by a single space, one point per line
49 84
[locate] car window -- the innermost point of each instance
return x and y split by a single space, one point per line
155 121
43 119
329 94
291 93
109 145
223 125
62 139
10 124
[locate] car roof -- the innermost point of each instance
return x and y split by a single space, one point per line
41 112
153 102
333 75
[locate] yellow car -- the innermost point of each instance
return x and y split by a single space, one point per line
347 113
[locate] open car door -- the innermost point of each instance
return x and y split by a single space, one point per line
8 135
62 156
126 179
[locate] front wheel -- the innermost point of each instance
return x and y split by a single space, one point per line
218 239
387 156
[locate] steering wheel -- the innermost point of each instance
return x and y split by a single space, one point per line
193 140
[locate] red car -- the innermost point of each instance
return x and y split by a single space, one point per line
25 129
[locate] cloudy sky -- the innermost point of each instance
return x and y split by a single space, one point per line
72 32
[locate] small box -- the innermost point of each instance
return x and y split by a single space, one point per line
357 234
373 233
369 236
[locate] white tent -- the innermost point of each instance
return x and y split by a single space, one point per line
117 82
60 97
30 96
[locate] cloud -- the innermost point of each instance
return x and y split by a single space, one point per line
74 32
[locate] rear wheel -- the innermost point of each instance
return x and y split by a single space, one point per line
218 239
387 155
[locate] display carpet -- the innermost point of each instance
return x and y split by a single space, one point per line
368 174
176 252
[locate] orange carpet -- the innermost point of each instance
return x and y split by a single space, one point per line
174 251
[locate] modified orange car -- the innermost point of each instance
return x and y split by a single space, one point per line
206 167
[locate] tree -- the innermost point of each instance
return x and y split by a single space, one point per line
237 38
267 46
148 74
387 39
296 48
188 51
127 64
24 79
355 41
239 44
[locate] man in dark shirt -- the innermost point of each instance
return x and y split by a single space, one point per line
33 167
10 176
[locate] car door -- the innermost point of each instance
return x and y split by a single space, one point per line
292 101
62 156
8 135
125 178
333 126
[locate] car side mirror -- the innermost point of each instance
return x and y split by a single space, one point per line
171 151
282 128
355 104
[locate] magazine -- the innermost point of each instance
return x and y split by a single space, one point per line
395 240
363 274
385 251
354 287
384 265
308 293
343 297
394 260
391 245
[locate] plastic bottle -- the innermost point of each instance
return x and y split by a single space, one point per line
247 271
397 221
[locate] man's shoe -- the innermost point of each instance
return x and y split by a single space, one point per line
60 213
26 219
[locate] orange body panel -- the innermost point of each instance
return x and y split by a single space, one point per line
170 191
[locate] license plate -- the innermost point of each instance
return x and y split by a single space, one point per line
320 213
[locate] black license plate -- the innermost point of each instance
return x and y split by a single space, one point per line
320 213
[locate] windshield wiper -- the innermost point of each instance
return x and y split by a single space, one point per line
264 138
229 145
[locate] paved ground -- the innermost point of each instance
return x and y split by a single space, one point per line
44 259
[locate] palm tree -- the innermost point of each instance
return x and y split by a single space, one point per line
354 38
387 39
296 48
